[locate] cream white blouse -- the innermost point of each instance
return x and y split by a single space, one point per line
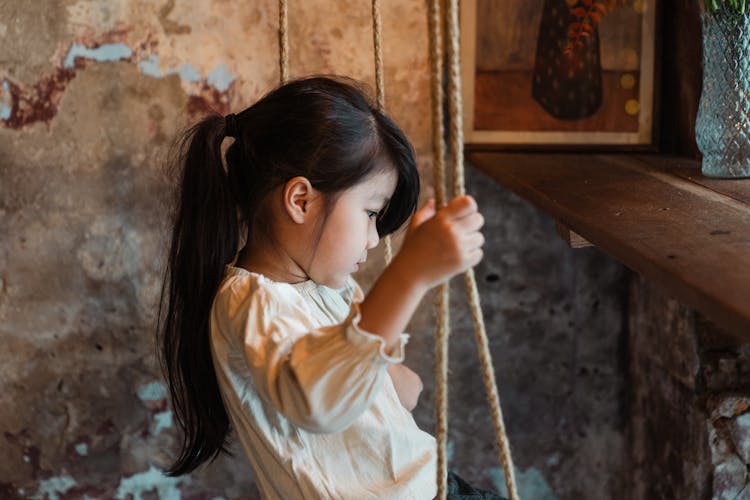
308 394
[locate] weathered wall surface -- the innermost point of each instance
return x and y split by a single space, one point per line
91 94
688 430
667 432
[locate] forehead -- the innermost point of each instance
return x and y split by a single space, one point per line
377 187
383 183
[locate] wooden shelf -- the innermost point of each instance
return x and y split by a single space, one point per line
657 215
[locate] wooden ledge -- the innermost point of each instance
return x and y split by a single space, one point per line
657 215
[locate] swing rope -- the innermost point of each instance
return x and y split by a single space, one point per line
442 331
380 90
456 139
283 41
459 189
377 45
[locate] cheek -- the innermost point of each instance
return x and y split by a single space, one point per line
347 233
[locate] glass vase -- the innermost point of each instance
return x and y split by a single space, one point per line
722 127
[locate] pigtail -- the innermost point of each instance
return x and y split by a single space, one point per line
204 241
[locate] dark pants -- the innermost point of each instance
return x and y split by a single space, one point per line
458 489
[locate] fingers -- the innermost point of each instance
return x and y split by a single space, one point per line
473 252
474 241
460 207
475 257
462 214
423 214
426 212
470 223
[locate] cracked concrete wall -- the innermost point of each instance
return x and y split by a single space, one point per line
91 94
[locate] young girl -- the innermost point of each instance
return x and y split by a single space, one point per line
277 341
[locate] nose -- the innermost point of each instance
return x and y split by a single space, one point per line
372 236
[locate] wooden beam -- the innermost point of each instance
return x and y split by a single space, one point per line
657 215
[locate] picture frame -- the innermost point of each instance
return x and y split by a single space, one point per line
522 90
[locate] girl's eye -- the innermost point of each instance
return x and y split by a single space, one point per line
371 214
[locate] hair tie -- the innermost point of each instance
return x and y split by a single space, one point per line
230 125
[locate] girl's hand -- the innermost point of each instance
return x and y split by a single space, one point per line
440 245
408 385
436 247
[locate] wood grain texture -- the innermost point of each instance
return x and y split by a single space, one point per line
687 234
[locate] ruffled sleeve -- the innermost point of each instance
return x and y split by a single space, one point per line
322 378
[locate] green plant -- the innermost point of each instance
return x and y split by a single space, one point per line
737 5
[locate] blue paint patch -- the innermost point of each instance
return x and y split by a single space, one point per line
530 483
163 421
82 449
50 488
146 482
150 66
450 449
189 74
5 109
220 78
106 52
153 391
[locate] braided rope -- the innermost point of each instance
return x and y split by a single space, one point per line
380 90
485 358
283 41
377 44
442 331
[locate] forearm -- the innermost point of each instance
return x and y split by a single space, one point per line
437 246
390 304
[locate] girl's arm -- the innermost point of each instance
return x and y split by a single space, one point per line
436 247
408 385
301 374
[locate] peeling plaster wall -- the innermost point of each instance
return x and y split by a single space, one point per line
91 94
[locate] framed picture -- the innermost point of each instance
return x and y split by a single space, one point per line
558 73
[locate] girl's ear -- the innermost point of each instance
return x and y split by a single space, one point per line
298 193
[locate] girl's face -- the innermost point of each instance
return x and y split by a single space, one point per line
350 230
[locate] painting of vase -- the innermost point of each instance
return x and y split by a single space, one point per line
529 81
